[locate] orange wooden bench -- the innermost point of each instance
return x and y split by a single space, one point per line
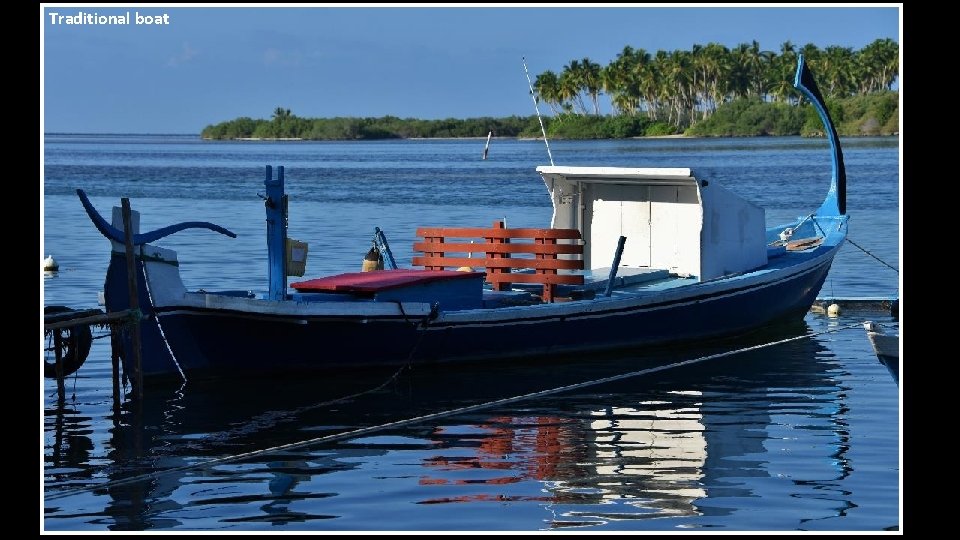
504 251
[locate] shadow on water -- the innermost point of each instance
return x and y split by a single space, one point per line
674 444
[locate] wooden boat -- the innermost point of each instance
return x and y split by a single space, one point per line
633 257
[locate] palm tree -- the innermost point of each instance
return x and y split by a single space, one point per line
592 82
782 68
570 84
679 86
837 67
548 88
720 69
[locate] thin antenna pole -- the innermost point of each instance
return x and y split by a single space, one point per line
537 108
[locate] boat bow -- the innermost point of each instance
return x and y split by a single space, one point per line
836 202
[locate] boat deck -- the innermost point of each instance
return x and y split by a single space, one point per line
457 294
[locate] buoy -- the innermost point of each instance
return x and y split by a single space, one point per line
833 310
50 265
373 260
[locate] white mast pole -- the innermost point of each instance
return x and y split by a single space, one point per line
537 108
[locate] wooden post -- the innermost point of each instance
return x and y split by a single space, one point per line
58 354
491 267
115 345
134 297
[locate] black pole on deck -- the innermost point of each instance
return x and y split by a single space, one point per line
615 265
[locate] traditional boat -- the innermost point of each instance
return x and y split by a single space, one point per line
633 257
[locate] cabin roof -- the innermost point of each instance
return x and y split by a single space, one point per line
621 174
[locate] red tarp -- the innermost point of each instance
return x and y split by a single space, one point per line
371 282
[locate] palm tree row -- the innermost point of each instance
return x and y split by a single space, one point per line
681 87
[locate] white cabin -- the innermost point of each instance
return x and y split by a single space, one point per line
672 220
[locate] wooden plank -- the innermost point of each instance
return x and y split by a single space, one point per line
49 318
117 316
500 283
498 263
804 243
497 247
484 247
478 232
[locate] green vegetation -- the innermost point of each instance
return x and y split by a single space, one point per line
873 114
682 88
709 90
750 117
285 125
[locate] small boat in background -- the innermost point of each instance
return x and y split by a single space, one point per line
886 347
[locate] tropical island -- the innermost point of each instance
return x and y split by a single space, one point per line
710 90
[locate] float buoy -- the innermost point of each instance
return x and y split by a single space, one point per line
50 265
833 310
373 260
75 344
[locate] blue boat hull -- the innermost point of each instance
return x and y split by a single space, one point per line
196 342
201 334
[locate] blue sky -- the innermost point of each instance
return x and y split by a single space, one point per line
211 64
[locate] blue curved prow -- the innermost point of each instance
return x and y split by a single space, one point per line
117 235
837 196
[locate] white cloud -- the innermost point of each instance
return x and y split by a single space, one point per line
276 57
185 56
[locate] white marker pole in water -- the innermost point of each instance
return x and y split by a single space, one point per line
487 147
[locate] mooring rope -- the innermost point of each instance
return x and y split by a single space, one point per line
897 270
433 416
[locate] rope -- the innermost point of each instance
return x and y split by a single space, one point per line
422 324
433 416
874 256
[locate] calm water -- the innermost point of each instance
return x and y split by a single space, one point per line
800 436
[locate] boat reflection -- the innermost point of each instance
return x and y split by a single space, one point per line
659 446
651 456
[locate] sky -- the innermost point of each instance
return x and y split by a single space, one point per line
207 64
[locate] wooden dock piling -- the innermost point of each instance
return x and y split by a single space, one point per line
58 354
134 297
89 317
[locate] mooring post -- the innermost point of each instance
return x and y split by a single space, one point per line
276 206
134 297
58 354
115 345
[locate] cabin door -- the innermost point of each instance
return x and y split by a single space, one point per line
611 217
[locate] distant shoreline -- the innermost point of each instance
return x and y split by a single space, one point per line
505 137
273 139
261 139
